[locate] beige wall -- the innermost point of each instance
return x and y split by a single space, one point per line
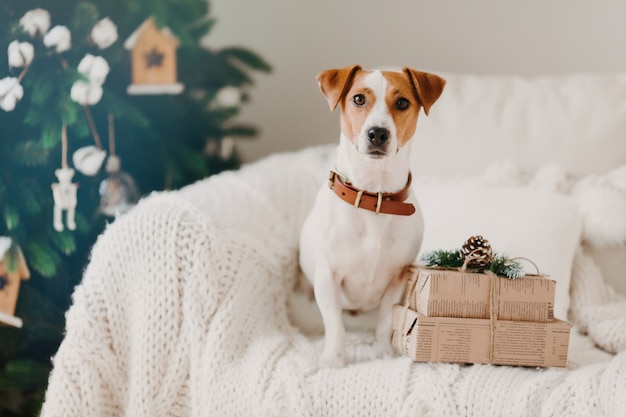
300 38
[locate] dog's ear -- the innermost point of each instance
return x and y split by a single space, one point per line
427 87
335 83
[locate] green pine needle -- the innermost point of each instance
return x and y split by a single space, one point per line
32 206
42 258
30 153
502 265
13 258
442 258
11 217
514 271
239 131
64 241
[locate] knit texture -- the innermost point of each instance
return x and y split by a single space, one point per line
183 311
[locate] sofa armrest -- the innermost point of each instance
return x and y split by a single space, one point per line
164 280
132 295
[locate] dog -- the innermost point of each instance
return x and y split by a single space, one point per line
366 225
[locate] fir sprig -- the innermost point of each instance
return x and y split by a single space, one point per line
505 266
501 264
442 258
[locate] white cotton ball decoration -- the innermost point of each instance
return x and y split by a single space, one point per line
36 21
88 160
20 54
58 38
86 93
94 67
11 92
104 33
604 214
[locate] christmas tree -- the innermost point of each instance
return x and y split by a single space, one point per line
66 106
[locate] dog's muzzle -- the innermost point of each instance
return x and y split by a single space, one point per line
377 136
377 142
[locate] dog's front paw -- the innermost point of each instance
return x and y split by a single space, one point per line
383 341
384 349
332 359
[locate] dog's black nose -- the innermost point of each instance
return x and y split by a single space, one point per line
378 135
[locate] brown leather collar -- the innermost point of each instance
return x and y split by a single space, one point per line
388 203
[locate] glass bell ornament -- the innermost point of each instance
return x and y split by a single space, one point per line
118 193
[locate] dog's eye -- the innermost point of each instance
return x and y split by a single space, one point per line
402 103
359 99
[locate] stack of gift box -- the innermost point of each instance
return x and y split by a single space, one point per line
464 317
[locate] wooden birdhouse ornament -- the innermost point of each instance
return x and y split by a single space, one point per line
10 286
153 60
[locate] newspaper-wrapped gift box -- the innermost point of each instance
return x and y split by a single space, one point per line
450 293
462 340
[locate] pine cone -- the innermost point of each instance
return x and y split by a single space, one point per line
476 252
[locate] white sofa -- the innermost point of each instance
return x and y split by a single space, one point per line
187 306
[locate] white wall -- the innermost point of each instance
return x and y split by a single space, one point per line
300 38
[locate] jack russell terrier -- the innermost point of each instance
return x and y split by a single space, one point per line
366 225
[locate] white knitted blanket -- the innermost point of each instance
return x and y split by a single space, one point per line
183 311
